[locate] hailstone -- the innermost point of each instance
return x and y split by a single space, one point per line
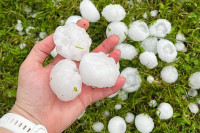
54 53
73 19
180 37
153 103
106 113
145 15
150 44
165 111
129 117
148 59
192 93
65 80
154 13
169 74
118 106
98 70
98 126
150 79
123 95
72 41
133 79
195 80
180 46
117 125
193 108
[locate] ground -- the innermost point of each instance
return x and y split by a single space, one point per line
183 15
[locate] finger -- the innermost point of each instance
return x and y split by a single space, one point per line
115 54
107 45
83 23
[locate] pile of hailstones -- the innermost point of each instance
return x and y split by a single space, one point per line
98 70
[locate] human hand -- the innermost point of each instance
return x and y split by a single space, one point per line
35 99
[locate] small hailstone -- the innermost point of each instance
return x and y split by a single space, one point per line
150 44
194 80
153 103
150 79
65 82
117 125
73 19
22 45
192 93
19 26
98 126
169 74
72 41
166 51
28 29
138 31
144 123
193 108
89 11
117 28
145 15
165 111
129 117
127 51
62 22
106 113
113 95
160 28
98 70
114 13
34 15
148 59
123 95
118 106
28 9
81 115
97 103
154 13
180 46
42 35
133 79
180 37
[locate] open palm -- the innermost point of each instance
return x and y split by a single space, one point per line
35 99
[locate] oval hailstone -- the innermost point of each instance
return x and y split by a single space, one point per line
193 108
98 70
153 103
138 31
114 13
166 51
148 59
192 93
180 46
169 74
150 79
98 126
165 111
154 13
73 19
145 15
127 51
129 117
144 123
195 80
65 80
150 44
118 106
117 28
160 28
72 41
117 125
133 79
89 11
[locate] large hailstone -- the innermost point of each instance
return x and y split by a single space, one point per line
89 11
166 51
65 80
144 123
133 79
169 74
150 44
98 126
160 28
148 59
72 41
138 31
165 111
117 125
193 108
73 19
127 51
98 70
114 13
117 28
194 80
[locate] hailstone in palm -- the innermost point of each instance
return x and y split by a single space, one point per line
194 80
169 74
193 108
148 59
65 80
54 53
117 125
98 126
150 44
73 19
165 111
129 117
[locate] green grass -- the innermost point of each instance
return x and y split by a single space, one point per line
183 15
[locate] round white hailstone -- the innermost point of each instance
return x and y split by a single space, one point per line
65 82
72 41
42 35
53 53
114 13
127 51
22 45
123 95
98 70
138 31
62 22
118 106
133 79
73 19
129 117
117 28
81 115
19 26
153 103
89 11
117 125
160 28
180 37
166 51
180 46
106 113
154 13
150 79
113 95
195 80
165 111
145 15
144 123
150 44
192 93
169 74
98 126
28 30
148 59
193 108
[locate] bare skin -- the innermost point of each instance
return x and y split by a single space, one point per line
35 99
